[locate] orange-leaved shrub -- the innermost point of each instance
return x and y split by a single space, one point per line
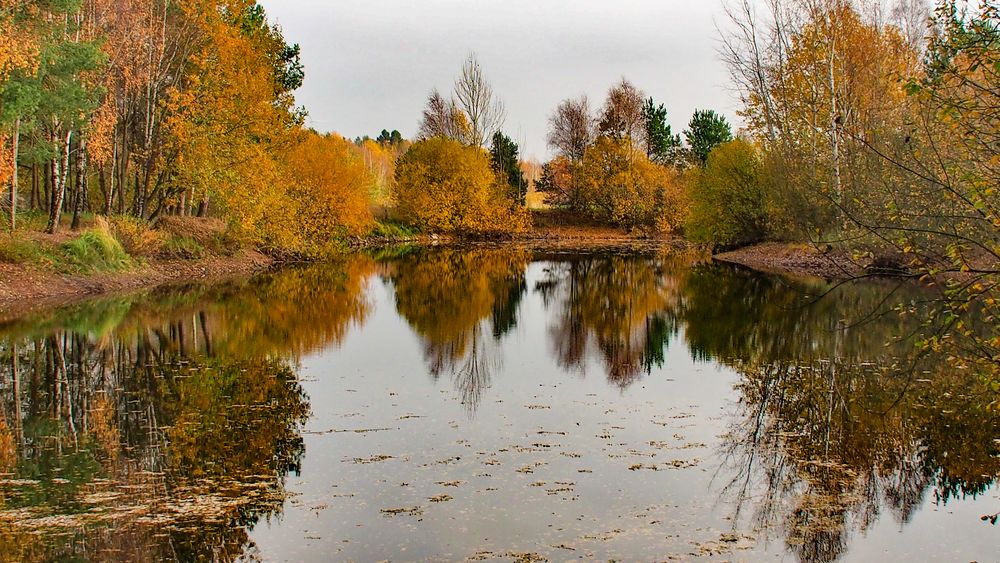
620 185
445 186
331 187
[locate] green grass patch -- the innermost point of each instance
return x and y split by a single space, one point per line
184 247
392 229
17 249
96 251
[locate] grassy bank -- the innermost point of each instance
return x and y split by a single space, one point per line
121 254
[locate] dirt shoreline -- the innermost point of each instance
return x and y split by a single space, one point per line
794 259
27 289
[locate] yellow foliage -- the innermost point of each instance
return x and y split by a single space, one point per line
330 187
136 236
445 186
619 184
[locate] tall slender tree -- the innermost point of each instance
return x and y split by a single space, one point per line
474 95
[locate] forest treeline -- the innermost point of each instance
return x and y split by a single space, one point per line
139 109
859 124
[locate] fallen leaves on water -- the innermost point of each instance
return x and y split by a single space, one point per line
408 511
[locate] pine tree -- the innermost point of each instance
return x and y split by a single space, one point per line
504 160
662 145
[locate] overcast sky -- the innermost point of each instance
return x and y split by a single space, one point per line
371 63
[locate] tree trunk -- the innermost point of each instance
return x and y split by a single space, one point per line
59 175
139 203
13 178
33 197
80 196
108 187
203 206
102 183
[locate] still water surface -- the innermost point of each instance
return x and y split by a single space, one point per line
493 403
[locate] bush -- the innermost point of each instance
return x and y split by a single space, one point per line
729 200
330 191
182 247
136 236
445 186
621 186
18 249
96 250
391 230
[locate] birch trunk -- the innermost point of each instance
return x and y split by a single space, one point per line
59 176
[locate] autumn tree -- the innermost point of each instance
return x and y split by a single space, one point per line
445 186
571 129
18 93
621 186
557 180
705 131
229 127
442 118
818 82
729 200
330 187
622 116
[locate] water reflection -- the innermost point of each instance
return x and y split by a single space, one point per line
461 303
839 418
162 428
621 308
166 426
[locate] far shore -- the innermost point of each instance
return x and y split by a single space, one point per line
25 288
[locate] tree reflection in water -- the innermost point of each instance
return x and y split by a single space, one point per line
449 297
162 427
836 422
838 419
621 308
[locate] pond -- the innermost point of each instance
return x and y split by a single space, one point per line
494 403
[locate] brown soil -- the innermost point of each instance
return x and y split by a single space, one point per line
789 258
24 289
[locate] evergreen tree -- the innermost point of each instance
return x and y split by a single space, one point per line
662 145
504 160
706 131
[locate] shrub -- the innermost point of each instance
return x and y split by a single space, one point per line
445 186
96 250
391 229
620 185
136 236
18 249
330 191
729 202
183 247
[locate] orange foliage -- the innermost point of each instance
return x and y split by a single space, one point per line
620 185
445 186
330 185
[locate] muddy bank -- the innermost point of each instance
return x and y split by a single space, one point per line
24 289
795 259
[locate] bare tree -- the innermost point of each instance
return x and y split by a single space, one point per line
622 115
912 17
476 99
571 128
442 118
